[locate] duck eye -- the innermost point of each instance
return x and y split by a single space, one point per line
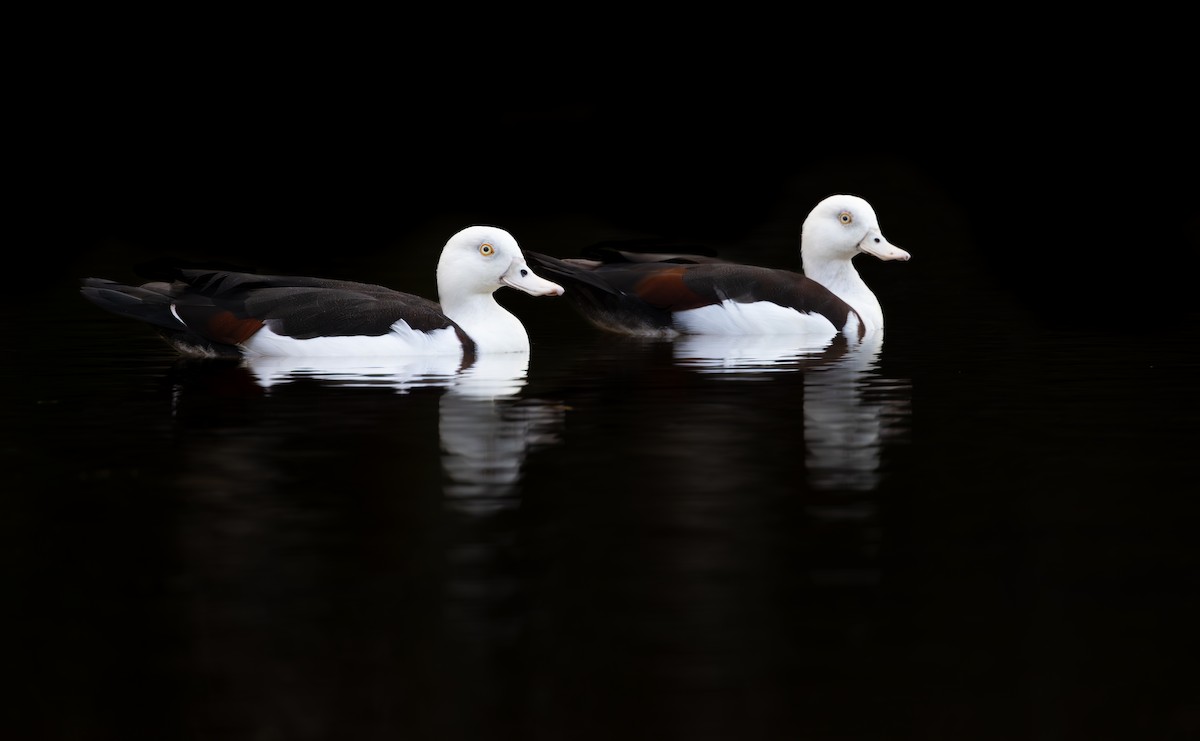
846 217
486 249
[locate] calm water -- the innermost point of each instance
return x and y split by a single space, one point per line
947 535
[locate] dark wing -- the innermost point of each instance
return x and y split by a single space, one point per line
603 293
150 303
298 307
217 308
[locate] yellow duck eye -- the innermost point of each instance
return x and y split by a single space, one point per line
846 217
486 249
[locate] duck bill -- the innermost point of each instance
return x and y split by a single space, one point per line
876 246
520 277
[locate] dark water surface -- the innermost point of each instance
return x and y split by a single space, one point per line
985 528
987 531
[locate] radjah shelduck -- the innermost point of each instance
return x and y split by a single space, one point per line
208 313
671 294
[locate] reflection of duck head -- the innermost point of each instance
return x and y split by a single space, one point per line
844 427
485 430
484 444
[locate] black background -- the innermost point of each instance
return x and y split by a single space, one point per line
1073 175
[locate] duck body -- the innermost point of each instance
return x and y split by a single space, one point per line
210 313
668 294
675 297
205 313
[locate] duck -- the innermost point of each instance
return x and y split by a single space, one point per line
205 312
668 294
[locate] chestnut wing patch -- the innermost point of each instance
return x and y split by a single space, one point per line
667 288
220 326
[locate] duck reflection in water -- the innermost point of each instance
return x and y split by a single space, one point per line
317 494
484 428
486 431
850 410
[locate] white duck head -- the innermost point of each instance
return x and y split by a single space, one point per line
475 263
835 231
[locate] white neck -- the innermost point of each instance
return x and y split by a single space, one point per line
493 327
840 277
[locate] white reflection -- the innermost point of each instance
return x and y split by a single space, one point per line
484 430
850 410
402 374
738 353
488 376
844 428
486 433
484 445
493 376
